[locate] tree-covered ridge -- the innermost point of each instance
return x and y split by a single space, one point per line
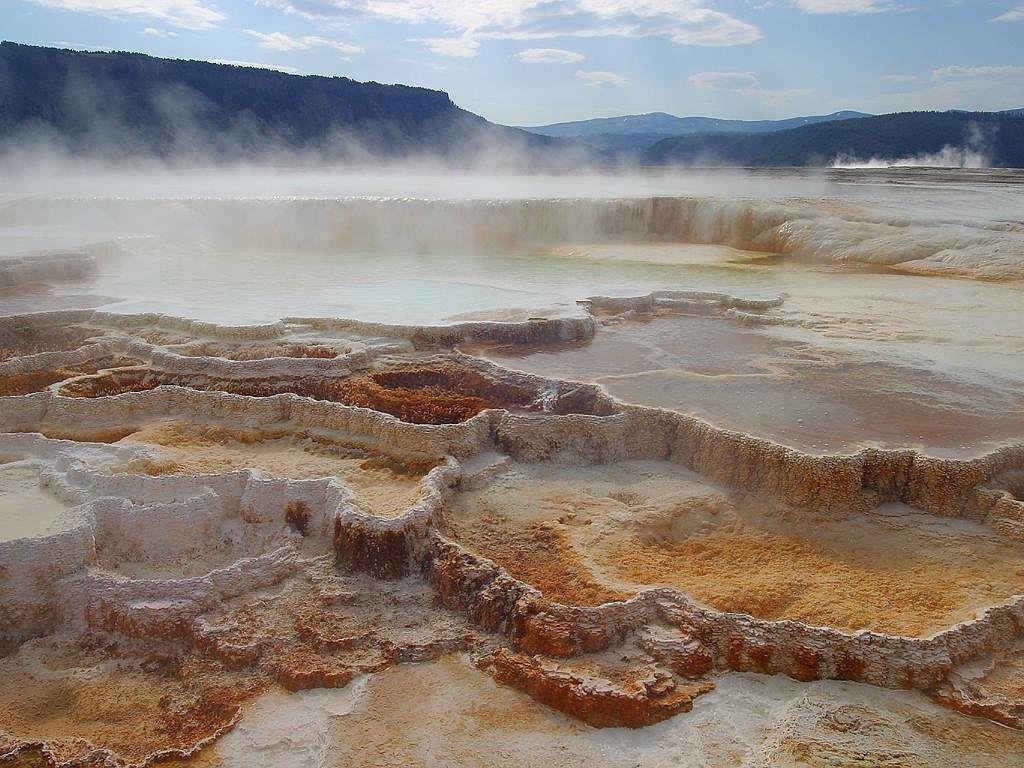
126 105
997 137
129 103
665 124
625 137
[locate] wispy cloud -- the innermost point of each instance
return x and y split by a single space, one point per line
457 47
746 84
255 65
159 32
724 81
843 6
548 56
278 41
685 22
598 77
985 87
81 46
898 78
1014 14
184 14
955 72
778 98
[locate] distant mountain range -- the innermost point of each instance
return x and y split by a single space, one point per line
660 138
633 133
129 104
664 123
988 138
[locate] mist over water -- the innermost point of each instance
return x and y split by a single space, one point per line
261 244
975 151
948 157
902 271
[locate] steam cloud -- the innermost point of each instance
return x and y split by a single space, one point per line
975 152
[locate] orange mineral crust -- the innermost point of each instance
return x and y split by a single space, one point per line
352 480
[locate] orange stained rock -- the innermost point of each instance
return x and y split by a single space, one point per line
643 697
789 576
431 394
29 340
129 706
385 486
542 556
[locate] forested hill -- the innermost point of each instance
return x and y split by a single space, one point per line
130 104
998 138
670 125
127 105
626 136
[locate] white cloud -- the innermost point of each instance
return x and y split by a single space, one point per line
1014 14
778 99
548 56
81 46
185 14
278 41
456 47
724 81
745 84
685 22
598 77
985 88
897 78
955 72
843 6
159 32
255 64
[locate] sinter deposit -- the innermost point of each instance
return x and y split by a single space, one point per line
657 480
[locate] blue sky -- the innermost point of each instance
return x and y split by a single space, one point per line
527 62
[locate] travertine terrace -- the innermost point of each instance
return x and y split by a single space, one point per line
322 541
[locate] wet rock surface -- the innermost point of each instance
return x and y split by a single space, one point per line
586 535
261 531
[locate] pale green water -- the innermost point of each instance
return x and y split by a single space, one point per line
254 287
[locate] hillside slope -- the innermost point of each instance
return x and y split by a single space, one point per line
625 137
670 125
996 139
129 104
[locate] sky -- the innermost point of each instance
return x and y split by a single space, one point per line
533 62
